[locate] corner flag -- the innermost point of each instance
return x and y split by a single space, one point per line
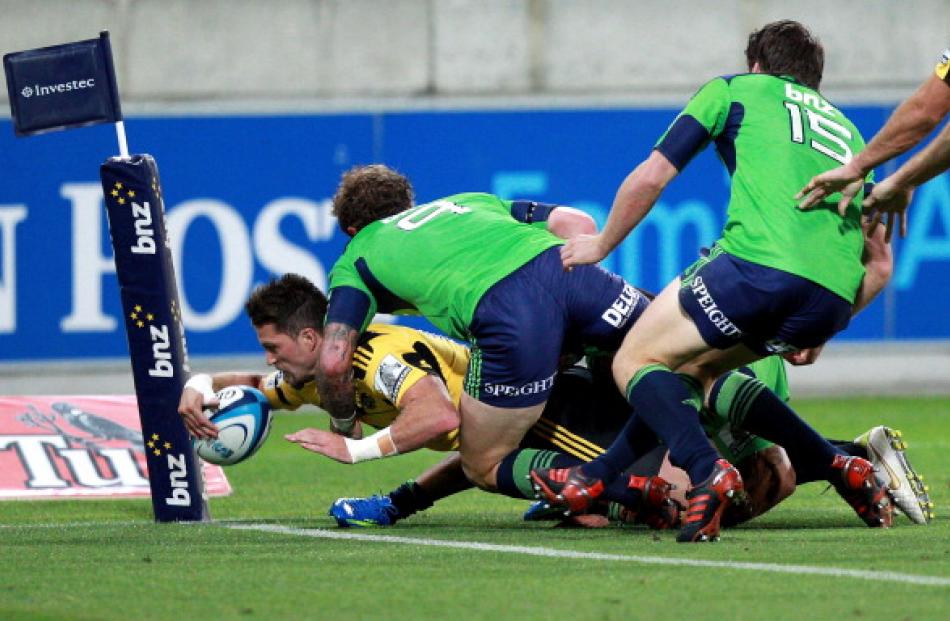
62 86
73 85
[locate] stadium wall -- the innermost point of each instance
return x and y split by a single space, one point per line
546 100
299 52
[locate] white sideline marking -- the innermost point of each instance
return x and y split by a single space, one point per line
837 572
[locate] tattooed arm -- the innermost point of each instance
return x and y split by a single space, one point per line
335 375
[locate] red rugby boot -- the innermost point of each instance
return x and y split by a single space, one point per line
566 487
859 486
707 501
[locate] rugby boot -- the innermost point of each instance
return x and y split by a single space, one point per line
364 512
855 481
568 488
656 509
706 502
903 484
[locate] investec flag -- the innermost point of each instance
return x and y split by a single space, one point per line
62 86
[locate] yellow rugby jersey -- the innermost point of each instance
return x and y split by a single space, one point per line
943 66
388 361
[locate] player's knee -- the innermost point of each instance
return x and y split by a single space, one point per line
623 370
480 474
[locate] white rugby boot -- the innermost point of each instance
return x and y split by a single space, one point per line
905 487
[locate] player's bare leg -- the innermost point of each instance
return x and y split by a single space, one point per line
663 339
487 434
666 335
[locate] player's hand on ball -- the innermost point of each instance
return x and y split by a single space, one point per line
191 407
325 443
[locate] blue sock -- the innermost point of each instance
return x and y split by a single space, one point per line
751 406
635 439
668 406
511 477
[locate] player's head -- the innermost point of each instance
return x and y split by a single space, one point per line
288 315
370 193
787 48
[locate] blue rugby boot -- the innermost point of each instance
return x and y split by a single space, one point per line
364 512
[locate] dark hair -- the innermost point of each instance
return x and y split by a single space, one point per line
290 302
370 193
787 48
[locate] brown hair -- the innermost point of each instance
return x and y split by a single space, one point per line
787 48
370 193
290 302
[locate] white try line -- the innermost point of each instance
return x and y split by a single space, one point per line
837 572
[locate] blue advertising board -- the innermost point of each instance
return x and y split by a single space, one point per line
248 197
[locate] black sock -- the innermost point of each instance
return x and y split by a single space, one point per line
751 406
409 498
512 474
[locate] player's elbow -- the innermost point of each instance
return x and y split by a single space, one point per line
880 273
567 222
333 368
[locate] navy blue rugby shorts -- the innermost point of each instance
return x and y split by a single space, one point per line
524 321
770 311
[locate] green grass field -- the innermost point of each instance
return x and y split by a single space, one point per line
108 560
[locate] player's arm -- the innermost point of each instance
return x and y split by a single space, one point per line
426 412
878 262
635 197
198 394
910 123
568 222
878 266
564 222
927 164
702 119
350 305
890 198
335 375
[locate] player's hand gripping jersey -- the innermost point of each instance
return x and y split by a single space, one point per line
388 361
463 243
773 135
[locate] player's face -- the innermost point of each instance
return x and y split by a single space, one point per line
295 356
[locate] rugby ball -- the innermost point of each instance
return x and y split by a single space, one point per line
243 418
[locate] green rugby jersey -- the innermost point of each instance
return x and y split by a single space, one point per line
774 134
436 259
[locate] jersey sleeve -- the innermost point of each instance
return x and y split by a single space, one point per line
351 301
531 212
280 393
701 120
942 70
